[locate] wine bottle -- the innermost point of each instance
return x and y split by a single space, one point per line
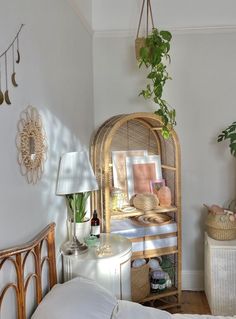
95 225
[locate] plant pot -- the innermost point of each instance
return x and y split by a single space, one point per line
82 229
139 43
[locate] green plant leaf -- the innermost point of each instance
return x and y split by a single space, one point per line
78 202
233 148
151 75
155 56
166 35
158 91
165 132
229 133
144 53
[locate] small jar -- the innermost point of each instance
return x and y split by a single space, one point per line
158 281
117 199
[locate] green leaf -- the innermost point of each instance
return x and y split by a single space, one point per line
165 132
158 91
155 57
233 148
166 35
159 112
167 47
157 40
151 75
144 53
158 79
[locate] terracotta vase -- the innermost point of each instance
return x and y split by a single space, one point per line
164 195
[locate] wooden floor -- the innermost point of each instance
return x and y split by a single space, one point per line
193 302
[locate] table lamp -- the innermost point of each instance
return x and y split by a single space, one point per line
75 175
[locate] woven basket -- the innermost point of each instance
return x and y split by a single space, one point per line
220 227
139 43
145 201
151 219
140 284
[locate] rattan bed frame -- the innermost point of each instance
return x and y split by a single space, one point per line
17 256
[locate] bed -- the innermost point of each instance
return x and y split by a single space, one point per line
28 276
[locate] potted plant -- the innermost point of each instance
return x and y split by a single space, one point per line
78 202
154 55
229 133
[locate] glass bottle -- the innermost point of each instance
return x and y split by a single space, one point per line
95 225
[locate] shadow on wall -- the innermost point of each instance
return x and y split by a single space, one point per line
60 140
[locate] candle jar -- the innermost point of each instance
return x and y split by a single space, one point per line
117 199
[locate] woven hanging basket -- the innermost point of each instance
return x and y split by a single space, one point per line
220 227
140 41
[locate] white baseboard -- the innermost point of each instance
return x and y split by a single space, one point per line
193 280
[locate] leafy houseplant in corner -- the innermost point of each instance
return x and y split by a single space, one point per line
78 201
229 133
154 54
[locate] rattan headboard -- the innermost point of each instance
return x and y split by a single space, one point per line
17 258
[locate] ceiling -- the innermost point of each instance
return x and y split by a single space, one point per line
123 15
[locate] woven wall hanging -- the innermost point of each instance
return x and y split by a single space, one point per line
8 59
31 144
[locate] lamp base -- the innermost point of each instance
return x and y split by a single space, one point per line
74 247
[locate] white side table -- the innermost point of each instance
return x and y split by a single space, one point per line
220 276
111 271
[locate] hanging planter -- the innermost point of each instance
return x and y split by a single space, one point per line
152 52
140 41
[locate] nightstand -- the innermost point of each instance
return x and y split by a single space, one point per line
111 270
220 276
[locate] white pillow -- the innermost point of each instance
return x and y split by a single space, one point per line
79 298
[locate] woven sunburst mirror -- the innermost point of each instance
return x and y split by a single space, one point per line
31 144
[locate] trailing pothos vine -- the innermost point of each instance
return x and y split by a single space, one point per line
229 133
154 55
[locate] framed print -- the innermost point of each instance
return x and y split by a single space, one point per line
140 171
156 184
119 167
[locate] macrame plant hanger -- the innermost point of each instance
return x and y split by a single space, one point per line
140 41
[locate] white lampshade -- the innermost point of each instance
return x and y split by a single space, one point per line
75 174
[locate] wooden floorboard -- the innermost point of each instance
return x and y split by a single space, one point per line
193 302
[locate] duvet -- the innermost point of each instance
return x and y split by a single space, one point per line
130 310
83 298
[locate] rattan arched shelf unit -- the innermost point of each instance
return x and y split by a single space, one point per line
137 131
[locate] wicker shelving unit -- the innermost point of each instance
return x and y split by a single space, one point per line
140 131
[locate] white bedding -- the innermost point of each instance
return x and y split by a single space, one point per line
182 316
83 298
130 310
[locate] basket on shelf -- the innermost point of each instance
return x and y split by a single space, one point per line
221 224
140 284
152 219
145 201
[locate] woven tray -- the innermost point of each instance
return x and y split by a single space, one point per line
151 220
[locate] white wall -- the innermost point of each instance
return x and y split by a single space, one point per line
55 75
83 9
202 91
124 15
